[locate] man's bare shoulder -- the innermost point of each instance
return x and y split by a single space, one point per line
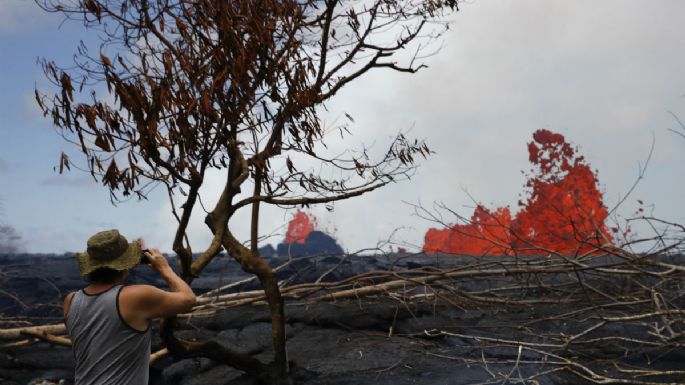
67 302
141 298
154 302
137 287
141 291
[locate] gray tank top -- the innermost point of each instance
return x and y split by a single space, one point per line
107 350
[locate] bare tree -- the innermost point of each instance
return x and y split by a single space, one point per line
236 86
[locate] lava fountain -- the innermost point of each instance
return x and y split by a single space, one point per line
563 212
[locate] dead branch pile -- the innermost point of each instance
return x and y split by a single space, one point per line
614 317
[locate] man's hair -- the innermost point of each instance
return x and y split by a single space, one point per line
104 275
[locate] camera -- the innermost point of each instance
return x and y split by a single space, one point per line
144 260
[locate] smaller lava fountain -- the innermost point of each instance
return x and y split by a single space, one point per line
299 227
303 239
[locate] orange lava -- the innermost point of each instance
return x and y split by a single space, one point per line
299 227
487 233
564 212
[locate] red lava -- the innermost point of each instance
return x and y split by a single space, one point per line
299 227
563 213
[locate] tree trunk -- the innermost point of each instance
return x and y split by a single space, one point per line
209 349
253 263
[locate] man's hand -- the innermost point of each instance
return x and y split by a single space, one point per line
156 261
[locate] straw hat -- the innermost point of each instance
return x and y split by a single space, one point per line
109 249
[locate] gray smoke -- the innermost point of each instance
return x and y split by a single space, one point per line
10 240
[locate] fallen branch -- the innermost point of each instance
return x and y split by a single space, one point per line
54 329
154 357
44 336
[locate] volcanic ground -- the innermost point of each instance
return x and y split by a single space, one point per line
375 340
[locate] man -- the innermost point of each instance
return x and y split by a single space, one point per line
108 323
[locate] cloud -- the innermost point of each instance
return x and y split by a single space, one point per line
603 78
31 110
603 74
79 182
18 15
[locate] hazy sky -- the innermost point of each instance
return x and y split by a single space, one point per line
603 73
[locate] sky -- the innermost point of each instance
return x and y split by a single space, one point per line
605 74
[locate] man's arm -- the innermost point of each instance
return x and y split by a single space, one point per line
149 302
